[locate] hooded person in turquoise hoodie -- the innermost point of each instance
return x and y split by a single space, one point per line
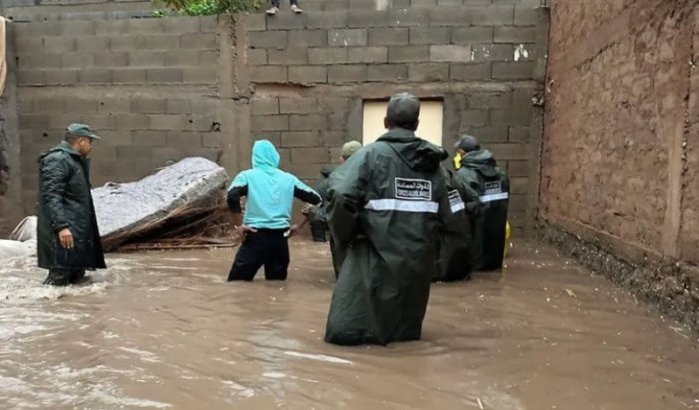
270 193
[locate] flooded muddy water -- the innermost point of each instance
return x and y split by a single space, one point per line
164 330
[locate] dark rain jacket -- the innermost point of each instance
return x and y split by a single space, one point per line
385 208
65 201
317 213
479 172
455 258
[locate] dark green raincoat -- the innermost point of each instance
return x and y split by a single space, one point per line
480 173
455 258
386 205
65 201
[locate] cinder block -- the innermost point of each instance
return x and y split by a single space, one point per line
92 44
316 155
351 73
60 44
110 27
254 22
270 122
61 77
408 54
200 41
80 105
129 76
449 16
132 121
28 45
338 55
519 134
509 151
519 185
110 59
78 28
300 105
492 16
40 60
149 138
368 55
449 3
335 5
162 42
308 38
366 18
168 122
471 35
526 16
213 140
181 58
146 59
429 35
77 60
306 172
286 21
492 52
113 105
256 56
275 137
361 5
180 25
164 75
308 74
95 76
492 99
178 106
209 57
145 26
450 53
423 3
145 105
268 39
127 43
336 19
300 139
264 106
347 37
200 75
289 56
510 34
410 17
469 72
486 134
471 118
205 106
513 70
307 122
517 203
129 153
517 168
428 72
515 116
389 36
35 121
387 72
208 24
269 74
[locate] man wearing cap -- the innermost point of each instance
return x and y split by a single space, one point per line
316 214
68 237
480 177
386 205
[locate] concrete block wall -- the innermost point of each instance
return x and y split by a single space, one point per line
311 74
147 86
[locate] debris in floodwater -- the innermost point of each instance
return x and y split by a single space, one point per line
571 293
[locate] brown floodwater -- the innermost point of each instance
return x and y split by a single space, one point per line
164 330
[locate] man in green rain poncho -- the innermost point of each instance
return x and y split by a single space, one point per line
386 205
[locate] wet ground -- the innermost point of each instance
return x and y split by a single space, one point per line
163 330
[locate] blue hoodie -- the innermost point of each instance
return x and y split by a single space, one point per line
270 191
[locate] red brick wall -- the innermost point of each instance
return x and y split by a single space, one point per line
617 157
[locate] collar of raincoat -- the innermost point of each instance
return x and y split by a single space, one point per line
264 155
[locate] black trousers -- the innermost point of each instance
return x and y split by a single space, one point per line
268 247
275 3
64 277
